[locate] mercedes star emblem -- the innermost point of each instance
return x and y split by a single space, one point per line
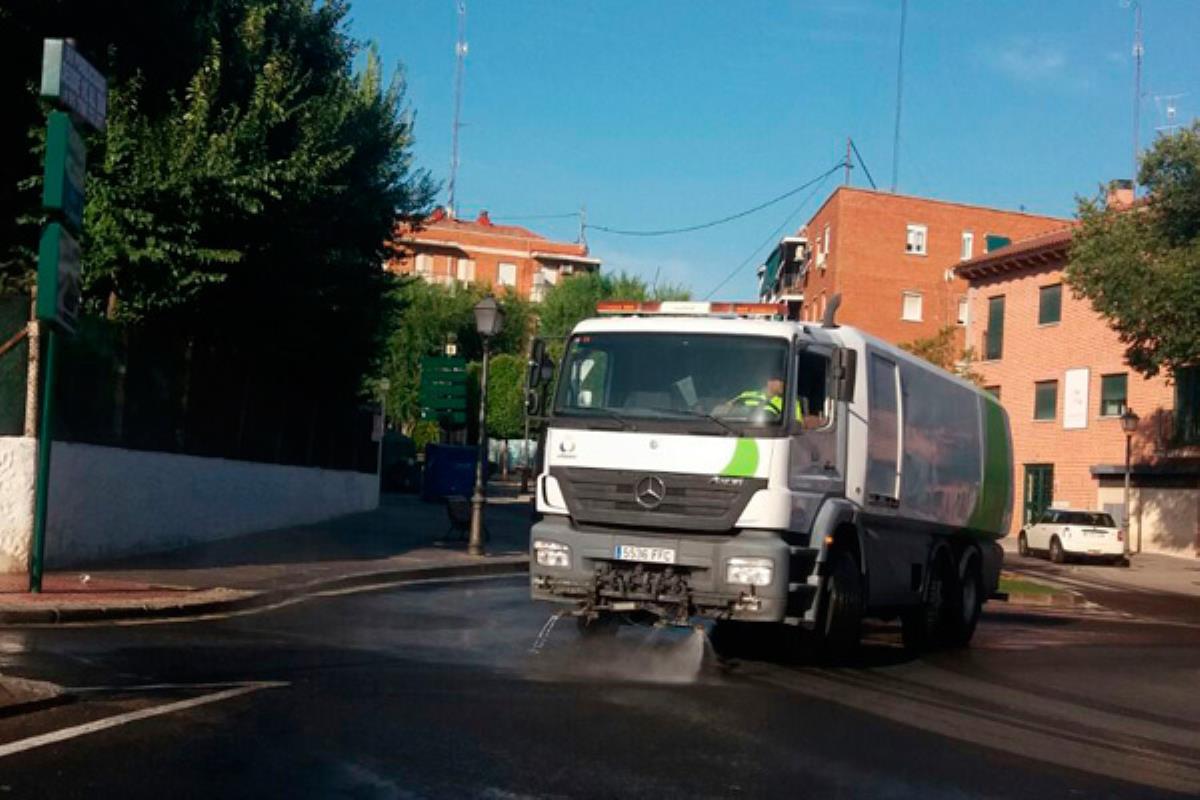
650 491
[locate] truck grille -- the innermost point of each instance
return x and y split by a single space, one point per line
690 502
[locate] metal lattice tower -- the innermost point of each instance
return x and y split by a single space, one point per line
460 55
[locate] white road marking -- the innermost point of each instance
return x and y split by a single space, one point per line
41 740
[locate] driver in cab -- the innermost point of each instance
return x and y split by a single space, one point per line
769 398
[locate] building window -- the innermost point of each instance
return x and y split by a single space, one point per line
1050 304
968 246
914 242
1045 399
1187 405
825 239
424 265
993 337
911 309
507 274
994 391
1112 395
466 270
964 311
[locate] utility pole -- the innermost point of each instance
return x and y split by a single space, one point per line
899 97
460 55
846 177
583 224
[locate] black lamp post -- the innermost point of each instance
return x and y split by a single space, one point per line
1129 423
489 319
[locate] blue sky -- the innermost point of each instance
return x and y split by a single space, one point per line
664 113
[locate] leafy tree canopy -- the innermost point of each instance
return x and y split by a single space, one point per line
1140 268
426 316
575 299
944 350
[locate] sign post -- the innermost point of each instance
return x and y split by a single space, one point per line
81 94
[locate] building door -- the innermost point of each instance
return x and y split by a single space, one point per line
1039 490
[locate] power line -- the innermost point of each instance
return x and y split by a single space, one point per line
722 220
775 233
523 217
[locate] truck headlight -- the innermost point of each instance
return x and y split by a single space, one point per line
749 571
551 554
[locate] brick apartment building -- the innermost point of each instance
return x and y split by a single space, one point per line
1059 371
446 250
891 257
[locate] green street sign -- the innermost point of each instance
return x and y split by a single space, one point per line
438 390
74 84
66 162
58 278
443 392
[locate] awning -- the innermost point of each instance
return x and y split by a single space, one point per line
771 273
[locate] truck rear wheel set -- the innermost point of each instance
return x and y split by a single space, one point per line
952 604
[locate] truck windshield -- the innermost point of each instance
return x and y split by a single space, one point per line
731 381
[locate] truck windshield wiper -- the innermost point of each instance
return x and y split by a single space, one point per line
587 411
699 415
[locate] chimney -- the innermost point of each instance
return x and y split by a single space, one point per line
484 219
438 215
1120 194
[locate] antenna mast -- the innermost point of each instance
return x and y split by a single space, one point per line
1138 50
899 97
460 55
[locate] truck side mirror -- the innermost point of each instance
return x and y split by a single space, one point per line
845 370
533 375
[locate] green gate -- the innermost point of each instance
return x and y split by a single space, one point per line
1039 490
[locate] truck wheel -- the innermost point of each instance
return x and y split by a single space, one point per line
840 621
924 627
1023 545
1057 555
967 603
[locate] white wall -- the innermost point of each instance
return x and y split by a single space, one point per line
1166 520
18 469
107 502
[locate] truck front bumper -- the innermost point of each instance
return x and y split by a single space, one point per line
695 584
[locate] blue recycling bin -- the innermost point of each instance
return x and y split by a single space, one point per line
449 470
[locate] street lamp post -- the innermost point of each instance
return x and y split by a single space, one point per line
489 319
1129 423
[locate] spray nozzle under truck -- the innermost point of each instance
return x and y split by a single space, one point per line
717 460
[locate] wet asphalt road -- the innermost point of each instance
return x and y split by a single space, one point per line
433 691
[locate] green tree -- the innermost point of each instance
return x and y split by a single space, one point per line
943 350
424 318
574 299
1140 268
506 397
253 166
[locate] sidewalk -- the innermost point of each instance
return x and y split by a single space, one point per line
404 538
1147 572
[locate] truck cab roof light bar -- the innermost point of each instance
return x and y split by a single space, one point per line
682 308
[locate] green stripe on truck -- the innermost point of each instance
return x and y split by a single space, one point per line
997 470
744 462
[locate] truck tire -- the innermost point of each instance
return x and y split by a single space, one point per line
924 627
840 622
966 604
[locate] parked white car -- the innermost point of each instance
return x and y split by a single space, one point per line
1065 533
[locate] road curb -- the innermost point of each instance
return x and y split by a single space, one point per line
257 599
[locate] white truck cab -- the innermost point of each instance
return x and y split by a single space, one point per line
717 460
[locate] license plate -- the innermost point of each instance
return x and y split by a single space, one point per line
654 555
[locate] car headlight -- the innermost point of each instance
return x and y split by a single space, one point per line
749 571
551 554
